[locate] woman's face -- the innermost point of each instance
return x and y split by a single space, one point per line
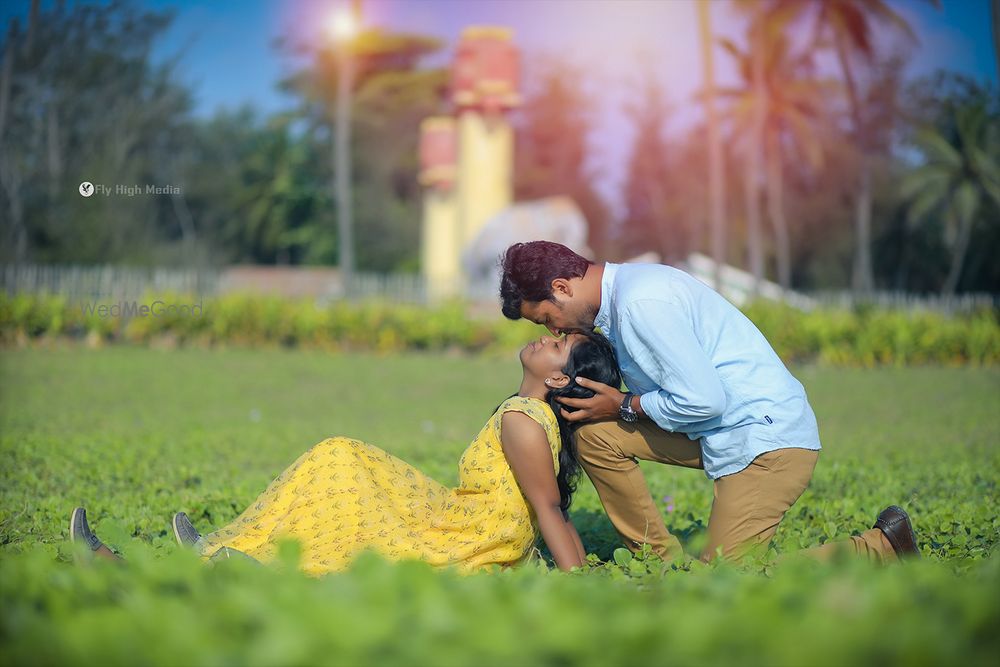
547 356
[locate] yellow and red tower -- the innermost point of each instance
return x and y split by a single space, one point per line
441 241
484 89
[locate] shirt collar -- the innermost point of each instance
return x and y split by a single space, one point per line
603 319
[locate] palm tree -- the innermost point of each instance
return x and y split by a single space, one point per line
961 171
783 110
995 16
757 34
716 175
849 24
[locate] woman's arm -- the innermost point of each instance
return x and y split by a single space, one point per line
576 537
530 459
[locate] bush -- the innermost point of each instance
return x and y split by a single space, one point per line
865 337
170 611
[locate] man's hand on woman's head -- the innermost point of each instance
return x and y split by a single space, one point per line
604 404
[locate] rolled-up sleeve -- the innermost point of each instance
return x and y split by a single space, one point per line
660 339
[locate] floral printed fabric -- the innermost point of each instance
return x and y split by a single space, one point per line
344 496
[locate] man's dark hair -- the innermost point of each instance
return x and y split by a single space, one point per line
529 269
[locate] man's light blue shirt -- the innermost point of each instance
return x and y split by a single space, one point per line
701 367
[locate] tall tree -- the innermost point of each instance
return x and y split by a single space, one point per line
716 172
258 192
790 97
849 24
960 173
393 93
763 21
10 182
82 100
552 130
995 22
758 34
652 216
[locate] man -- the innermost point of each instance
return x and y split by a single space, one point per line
706 390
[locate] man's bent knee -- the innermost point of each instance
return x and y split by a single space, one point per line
596 440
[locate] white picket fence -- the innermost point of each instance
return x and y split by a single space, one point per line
942 303
110 282
738 287
79 283
105 282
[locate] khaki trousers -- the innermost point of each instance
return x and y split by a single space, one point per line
747 506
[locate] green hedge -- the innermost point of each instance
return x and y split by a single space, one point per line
252 320
872 337
866 337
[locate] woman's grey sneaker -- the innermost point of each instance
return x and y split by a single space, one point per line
79 530
183 530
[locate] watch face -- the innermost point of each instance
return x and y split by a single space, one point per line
625 410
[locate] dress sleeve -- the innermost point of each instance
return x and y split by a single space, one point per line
541 413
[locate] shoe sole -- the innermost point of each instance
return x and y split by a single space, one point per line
177 535
177 532
75 517
913 535
72 525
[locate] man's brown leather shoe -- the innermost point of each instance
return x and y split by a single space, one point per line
895 524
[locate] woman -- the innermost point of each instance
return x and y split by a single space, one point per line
342 496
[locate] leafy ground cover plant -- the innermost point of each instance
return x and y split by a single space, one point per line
136 434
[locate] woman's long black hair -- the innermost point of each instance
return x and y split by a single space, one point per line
594 359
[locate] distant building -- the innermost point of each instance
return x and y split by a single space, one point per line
467 159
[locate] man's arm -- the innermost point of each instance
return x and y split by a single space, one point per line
660 339
530 458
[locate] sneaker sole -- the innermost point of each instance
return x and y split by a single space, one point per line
177 535
72 524
76 516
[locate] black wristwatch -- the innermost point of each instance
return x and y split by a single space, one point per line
626 413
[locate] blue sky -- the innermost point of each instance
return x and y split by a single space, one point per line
229 57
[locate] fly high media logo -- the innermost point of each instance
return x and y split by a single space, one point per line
88 189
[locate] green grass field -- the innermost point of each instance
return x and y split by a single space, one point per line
137 434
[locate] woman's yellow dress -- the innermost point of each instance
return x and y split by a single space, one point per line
344 496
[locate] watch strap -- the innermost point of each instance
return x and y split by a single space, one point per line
626 406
